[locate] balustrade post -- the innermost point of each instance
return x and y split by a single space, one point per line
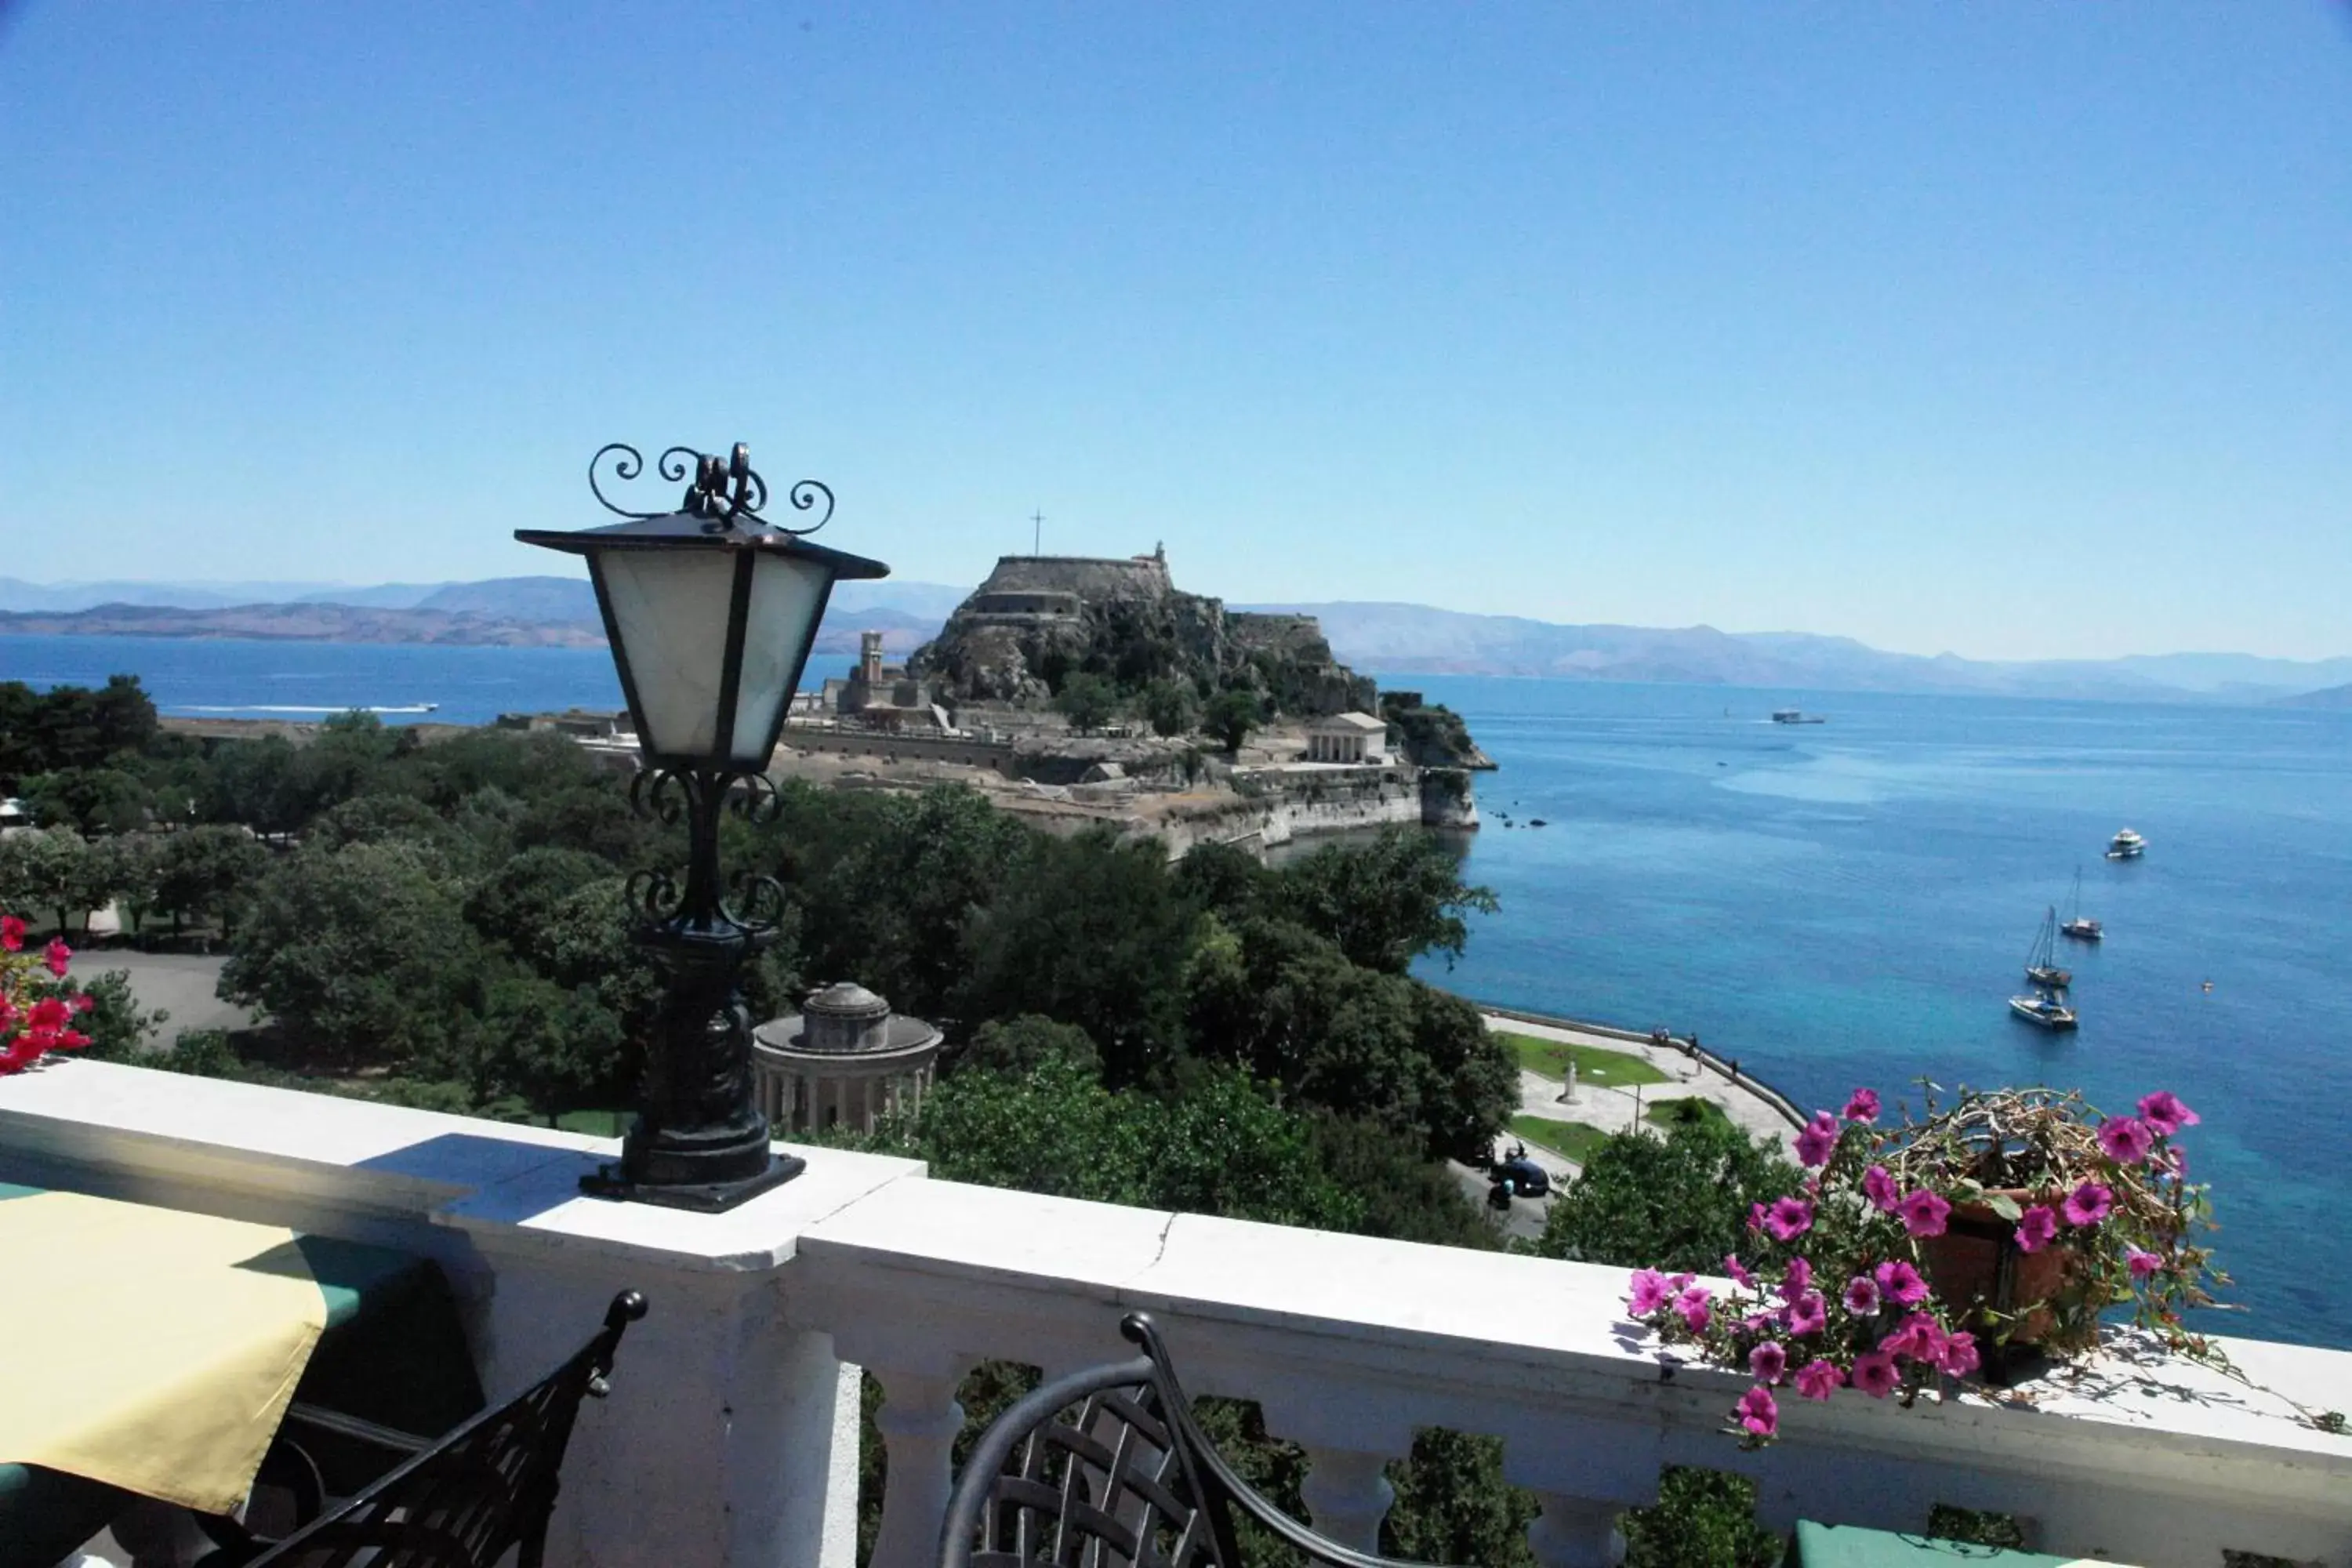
1347 1494
1576 1533
919 1421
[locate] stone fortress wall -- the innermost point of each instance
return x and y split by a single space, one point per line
1086 576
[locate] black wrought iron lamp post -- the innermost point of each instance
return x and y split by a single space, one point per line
710 610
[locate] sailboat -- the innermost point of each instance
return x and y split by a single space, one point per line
2042 963
2075 926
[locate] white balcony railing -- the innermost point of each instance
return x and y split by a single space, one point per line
731 1438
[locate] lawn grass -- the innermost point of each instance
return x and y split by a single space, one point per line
1593 1065
1568 1140
599 1123
1671 1113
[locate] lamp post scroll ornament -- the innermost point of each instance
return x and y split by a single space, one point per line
711 609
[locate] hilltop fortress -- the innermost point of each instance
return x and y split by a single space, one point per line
1040 617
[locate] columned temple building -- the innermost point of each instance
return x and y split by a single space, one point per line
843 1059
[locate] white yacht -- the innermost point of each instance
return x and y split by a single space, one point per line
2044 1011
2127 845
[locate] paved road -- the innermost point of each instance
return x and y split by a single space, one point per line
1615 1110
180 983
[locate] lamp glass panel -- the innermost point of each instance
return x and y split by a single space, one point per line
670 608
787 593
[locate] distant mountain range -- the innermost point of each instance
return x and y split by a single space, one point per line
511 612
561 611
1386 637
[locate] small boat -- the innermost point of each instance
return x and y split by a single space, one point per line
1796 716
2044 1011
2074 925
2127 845
2042 964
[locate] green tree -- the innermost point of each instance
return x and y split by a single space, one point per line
1169 706
133 873
45 869
1087 930
1019 1044
119 1028
204 873
1389 901
1088 702
1677 1203
93 800
516 904
1291 1007
887 885
1220 1147
1231 715
359 953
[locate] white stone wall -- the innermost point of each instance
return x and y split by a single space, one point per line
728 1437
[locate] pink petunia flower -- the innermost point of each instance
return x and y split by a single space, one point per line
1900 1283
1923 1213
1787 1218
2036 1228
2142 1264
1649 1295
12 934
57 956
2125 1139
1818 1142
2088 1203
1697 1305
1756 1217
1862 1296
1863 1106
1759 1412
1874 1373
1960 1354
2163 1112
1918 1338
1819 1379
1807 1314
1796 1280
1879 1187
1739 1271
1767 1363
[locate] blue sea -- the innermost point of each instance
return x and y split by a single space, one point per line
1852 902
1834 904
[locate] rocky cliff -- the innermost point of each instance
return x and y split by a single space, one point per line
1039 619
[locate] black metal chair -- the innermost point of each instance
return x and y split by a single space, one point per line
460 1501
1108 1469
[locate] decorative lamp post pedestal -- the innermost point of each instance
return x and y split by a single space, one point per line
710 610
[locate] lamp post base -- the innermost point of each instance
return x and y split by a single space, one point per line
701 1197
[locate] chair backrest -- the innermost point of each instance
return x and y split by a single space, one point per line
1106 1468
1085 1472
486 1487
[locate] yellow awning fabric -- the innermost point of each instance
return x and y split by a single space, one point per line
150 1349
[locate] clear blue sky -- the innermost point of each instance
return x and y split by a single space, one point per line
2011 329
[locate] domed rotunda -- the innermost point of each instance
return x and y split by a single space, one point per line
843 1059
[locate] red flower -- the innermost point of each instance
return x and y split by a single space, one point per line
12 934
57 955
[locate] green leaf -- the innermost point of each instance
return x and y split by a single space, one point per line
2003 1205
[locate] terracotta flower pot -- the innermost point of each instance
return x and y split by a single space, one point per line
1977 1269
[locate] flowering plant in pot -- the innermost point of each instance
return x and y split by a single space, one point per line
1913 1253
36 1014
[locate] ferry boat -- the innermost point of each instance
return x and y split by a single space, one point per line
2044 1011
2042 964
2127 845
2074 925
